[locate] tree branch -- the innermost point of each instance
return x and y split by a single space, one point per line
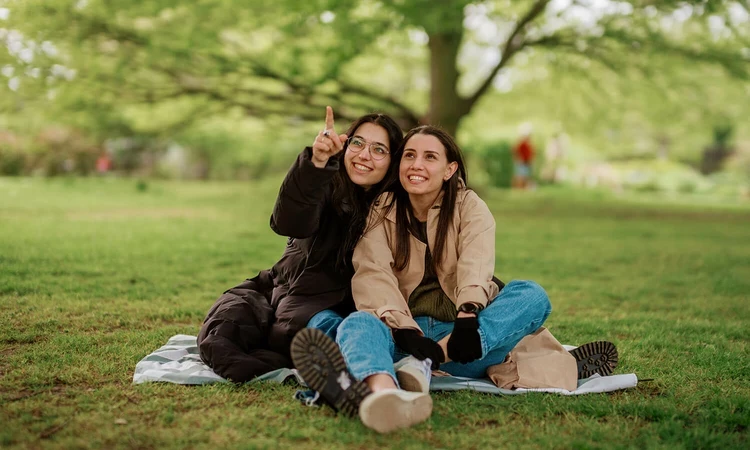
405 112
511 47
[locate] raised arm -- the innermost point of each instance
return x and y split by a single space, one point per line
307 186
302 197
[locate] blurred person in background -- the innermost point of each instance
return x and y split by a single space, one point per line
103 163
554 159
523 156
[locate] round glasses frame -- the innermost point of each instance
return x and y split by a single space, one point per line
356 145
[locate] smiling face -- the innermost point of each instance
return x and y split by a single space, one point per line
424 167
361 167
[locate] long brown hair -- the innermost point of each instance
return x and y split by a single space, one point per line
404 214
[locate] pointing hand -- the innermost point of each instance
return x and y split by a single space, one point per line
327 143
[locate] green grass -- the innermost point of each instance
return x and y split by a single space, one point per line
95 274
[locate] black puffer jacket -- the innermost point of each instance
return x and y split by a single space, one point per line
264 313
306 280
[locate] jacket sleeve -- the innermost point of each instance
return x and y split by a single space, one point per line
476 253
302 197
374 285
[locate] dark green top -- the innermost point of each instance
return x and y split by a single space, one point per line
429 299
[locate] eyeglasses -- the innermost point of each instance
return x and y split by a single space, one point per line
377 151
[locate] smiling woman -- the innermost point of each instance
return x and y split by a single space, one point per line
426 296
322 207
366 168
423 170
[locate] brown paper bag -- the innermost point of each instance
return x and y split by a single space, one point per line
538 361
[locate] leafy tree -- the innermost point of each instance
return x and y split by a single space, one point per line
420 60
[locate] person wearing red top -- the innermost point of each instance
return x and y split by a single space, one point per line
523 155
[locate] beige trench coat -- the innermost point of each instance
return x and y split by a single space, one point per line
465 273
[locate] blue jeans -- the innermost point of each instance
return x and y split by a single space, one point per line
519 310
326 321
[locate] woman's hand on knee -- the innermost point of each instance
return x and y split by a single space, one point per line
465 345
413 343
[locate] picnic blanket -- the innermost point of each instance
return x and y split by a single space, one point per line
179 362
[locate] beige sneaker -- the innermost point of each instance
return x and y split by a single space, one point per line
414 375
390 409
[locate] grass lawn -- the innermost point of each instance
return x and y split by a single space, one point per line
95 274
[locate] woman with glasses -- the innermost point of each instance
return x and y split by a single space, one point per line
322 208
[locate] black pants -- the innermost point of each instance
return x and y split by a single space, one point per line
233 339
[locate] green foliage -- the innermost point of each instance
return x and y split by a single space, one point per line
628 78
722 134
497 159
54 151
12 160
96 275
282 57
652 176
61 151
716 154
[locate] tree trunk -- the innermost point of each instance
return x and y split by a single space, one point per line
447 108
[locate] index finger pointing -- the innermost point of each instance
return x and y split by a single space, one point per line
329 118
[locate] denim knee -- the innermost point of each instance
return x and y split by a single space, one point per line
326 321
537 297
324 317
366 344
359 320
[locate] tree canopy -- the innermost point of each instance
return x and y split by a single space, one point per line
419 60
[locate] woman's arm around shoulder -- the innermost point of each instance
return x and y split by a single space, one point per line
302 197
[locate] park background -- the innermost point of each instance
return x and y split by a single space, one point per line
142 145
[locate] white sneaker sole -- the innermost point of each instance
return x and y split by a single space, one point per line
411 379
392 409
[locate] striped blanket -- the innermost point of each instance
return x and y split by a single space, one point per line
179 362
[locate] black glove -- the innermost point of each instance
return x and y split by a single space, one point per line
421 347
464 345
